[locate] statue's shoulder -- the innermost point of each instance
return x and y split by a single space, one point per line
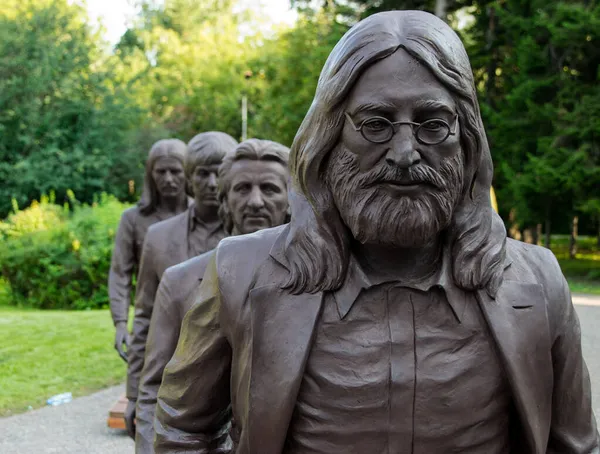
166 226
191 269
130 215
540 260
242 249
237 257
534 264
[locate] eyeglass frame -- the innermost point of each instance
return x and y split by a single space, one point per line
400 123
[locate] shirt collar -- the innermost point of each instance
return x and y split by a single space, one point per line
195 222
356 280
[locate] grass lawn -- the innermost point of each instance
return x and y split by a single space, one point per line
43 353
583 272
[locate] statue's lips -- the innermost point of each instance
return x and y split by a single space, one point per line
406 186
256 217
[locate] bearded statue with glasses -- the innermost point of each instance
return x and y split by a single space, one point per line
392 314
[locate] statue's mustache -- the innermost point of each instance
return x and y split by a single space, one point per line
419 174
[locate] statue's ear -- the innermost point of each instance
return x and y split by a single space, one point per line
188 187
225 215
288 214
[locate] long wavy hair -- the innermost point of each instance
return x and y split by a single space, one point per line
318 245
249 150
165 148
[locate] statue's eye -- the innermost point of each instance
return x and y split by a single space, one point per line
376 125
434 125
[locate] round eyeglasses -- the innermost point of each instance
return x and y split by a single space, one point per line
381 130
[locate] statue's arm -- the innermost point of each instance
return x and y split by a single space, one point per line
121 269
573 429
193 404
163 334
147 285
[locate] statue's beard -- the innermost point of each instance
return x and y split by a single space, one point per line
375 215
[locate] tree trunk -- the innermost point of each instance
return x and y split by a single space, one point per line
538 234
513 231
547 238
491 66
573 239
528 236
440 9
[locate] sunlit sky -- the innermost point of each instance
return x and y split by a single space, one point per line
116 14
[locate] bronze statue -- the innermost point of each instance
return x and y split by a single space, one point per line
252 195
392 314
173 241
163 196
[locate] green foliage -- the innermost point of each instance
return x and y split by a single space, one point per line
186 64
287 79
64 265
537 66
63 123
40 216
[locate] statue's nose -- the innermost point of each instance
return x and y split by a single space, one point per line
403 151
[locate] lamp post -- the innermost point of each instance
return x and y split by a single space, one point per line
247 76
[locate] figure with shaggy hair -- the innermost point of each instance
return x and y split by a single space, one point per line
391 315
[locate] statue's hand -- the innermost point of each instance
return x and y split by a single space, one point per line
130 418
121 339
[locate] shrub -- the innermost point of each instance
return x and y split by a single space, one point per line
63 265
39 216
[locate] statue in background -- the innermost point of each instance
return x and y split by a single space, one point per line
191 233
252 196
163 196
392 314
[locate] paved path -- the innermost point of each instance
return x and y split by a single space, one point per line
80 426
588 309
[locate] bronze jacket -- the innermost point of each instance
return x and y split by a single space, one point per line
126 258
173 299
166 245
245 342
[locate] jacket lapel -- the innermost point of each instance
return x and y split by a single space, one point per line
518 322
282 331
177 250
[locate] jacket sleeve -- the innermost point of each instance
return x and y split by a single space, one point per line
573 428
147 285
165 324
194 403
121 269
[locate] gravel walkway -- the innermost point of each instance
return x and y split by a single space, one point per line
79 427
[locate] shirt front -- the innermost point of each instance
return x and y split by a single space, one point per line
203 237
401 370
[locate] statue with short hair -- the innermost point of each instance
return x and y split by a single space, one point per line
392 314
252 196
191 233
163 196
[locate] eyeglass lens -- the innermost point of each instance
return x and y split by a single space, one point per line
380 130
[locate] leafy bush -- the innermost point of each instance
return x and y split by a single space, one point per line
63 265
39 216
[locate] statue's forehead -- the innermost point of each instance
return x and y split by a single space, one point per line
398 79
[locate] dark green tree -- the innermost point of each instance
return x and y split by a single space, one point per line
63 124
